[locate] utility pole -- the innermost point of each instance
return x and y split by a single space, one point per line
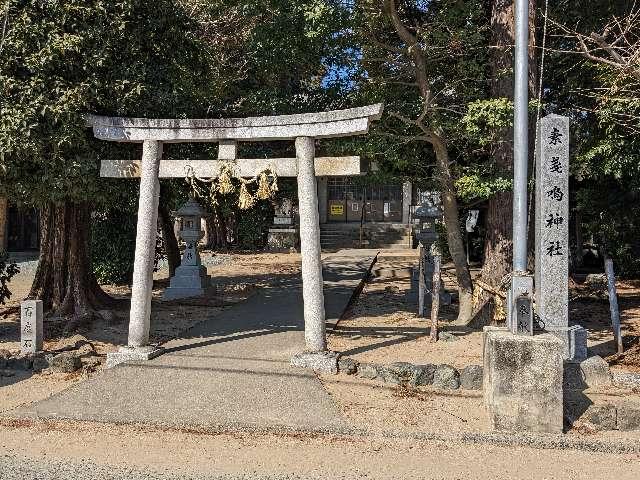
520 312
520 136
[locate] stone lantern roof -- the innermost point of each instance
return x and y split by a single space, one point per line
191 209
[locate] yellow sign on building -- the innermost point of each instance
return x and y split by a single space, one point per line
337 209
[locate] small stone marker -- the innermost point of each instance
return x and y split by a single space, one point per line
552 235
31 315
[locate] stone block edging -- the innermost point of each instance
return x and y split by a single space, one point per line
626 379
443 376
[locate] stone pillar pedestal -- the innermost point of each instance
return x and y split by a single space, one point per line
523 381
132 354
282 239
190 278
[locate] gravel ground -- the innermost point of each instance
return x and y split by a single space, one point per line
28 263
24 468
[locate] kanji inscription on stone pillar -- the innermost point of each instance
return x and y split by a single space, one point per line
31 326
552 222
552 234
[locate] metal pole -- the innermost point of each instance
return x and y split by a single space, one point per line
520 136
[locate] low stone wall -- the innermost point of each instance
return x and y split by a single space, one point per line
442 376
579 411
78 354
581 414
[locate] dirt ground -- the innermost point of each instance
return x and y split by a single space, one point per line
255 455
383 327
590 308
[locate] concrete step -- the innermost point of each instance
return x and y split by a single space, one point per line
395 237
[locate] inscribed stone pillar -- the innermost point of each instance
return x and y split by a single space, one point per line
145 244
31 315
312 293
406 202
552 235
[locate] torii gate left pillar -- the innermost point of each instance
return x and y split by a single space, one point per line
304 129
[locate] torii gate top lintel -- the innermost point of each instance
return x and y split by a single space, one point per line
335 123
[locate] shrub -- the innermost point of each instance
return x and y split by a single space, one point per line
7 271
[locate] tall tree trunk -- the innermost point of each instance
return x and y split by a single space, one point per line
64 280
454 235
498 249
169 239
449 201
217 230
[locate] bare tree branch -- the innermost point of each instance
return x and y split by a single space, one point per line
617 45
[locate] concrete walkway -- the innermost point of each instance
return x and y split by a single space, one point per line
230 371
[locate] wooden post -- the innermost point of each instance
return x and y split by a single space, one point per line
421 282
435 293
613 303
579 241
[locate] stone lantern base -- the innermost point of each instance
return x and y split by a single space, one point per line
188 281
283 239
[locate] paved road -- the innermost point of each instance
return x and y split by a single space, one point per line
230 371
24 468
84 451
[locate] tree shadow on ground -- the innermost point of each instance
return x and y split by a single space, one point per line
15 376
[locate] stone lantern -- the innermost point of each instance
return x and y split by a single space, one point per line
190 278
283 234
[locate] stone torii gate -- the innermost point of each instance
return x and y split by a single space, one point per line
302 128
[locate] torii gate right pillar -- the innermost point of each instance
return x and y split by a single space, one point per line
316 355
312 290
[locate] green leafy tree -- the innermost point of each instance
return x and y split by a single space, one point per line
281 54
427 62
60 60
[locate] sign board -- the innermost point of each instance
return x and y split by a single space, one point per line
472 220
282 220
337 209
